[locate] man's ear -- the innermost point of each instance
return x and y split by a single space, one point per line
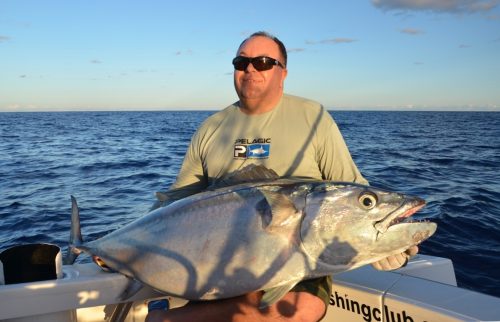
284 73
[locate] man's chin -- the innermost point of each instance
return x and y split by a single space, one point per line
250 92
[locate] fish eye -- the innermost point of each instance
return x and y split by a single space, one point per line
368 200
101 263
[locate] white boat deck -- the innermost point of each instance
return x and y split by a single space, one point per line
424 290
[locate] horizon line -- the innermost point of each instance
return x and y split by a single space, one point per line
359 109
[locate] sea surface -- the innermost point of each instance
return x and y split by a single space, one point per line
113 162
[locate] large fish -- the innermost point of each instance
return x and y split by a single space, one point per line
266 235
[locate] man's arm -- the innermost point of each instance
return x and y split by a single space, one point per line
294 306
333 156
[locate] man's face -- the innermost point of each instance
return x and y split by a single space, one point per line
259 86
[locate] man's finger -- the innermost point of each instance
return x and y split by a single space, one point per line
412 251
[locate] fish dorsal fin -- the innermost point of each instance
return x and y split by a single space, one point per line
165 198
284 214
250 173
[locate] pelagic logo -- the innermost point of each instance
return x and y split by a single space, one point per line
252 148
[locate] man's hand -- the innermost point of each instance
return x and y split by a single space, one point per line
395 261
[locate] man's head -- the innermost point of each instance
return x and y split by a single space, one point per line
259 83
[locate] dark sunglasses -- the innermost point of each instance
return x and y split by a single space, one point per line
260 63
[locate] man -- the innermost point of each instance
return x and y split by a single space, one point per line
293 136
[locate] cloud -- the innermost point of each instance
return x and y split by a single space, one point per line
95 61
493 17
183 52
4 38
450 6
19 107
411 31
331 41
295 50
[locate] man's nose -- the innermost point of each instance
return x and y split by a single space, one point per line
250 68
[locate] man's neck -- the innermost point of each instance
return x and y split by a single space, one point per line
254 107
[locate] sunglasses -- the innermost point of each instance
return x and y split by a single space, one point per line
260 63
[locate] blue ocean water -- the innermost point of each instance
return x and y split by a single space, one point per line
113 162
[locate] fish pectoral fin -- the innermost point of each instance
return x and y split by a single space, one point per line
283 210
273 295
132 288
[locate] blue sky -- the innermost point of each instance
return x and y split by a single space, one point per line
148 55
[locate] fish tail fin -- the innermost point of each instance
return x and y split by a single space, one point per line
75 238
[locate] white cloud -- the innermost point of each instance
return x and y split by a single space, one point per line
453 6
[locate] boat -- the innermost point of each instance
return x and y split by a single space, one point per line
424 290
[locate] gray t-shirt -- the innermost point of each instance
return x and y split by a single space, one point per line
298 138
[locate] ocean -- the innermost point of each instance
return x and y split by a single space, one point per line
113 162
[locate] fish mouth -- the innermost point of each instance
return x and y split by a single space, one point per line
409 206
